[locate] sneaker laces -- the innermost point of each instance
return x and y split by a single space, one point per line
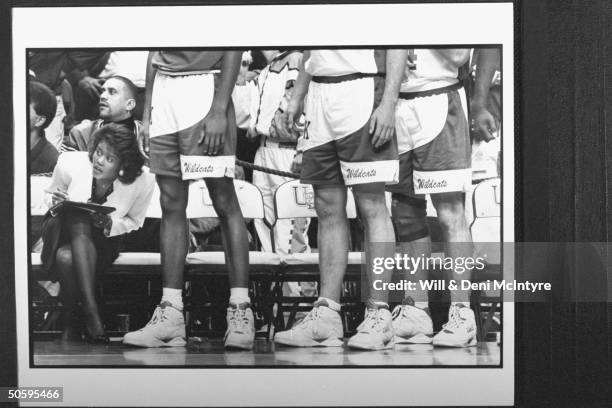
310 316
158 316
454 320
397 311
238 318
373 320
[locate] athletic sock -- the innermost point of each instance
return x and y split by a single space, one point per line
239 295
378 304
174 296
335 306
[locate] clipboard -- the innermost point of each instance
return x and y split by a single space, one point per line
80 206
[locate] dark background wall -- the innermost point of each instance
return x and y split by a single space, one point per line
565 175
563 184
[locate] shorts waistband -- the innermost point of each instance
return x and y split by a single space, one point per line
266 142
344 78
430 92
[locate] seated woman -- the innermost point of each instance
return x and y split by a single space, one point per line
79 245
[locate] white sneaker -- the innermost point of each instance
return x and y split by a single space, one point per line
165 329
376 330
460 331
411 324
240 327
322 327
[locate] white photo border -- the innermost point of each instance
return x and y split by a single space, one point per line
263 26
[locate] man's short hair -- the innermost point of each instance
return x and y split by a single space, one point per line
43 101
131 88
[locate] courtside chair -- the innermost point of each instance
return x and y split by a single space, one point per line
210 266
486 234
295 200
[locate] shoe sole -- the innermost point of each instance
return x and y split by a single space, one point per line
473 342
416 339
156 343
371 347
238 346
314 343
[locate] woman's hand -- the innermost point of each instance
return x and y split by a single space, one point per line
101 221
58 196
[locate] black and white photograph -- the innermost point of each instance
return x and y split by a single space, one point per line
233 262
314 204
250 207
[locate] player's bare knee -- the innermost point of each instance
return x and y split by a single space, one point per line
225 204
327 208
450 207
330 203
172 204
172 195
452 217
371 209
330 212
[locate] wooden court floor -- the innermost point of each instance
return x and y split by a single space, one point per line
265 354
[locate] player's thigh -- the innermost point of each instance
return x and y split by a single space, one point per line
444 164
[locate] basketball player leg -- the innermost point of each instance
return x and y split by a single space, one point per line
167 325
412 322
443 169
411 319
240 332
330 205
368 170
376 331
322 326
460 331
173 234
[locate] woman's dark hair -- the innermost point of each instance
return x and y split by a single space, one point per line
123 141
43 101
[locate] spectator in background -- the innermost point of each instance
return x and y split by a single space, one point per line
55 69
82 69
116 105
43 105
275 86
259 61
485 113
244 96
43 156
88 83
133 66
